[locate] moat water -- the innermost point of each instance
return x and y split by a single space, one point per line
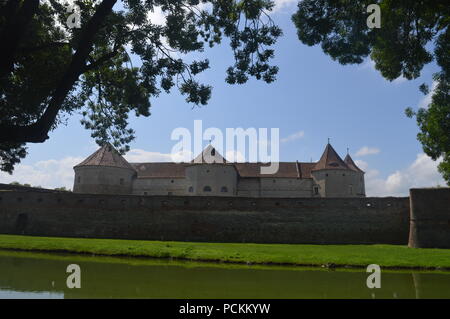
35 275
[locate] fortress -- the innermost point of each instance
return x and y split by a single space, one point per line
220 201
210 174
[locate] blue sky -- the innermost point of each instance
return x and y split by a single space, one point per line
353 105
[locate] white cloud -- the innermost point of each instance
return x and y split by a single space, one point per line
421 173
48 174
366 150
140 156
284 4
426 100
157 16
293 137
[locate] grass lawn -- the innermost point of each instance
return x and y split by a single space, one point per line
390 256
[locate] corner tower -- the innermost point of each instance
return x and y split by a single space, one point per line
332 176
104 172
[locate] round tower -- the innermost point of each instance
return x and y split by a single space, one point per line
104 172
334 178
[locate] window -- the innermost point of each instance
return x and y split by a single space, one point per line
191 189
171 181
316 190
79 179
213 152
145 193
224 189
121 181
350 189
207 188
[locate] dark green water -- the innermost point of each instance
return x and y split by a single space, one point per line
30 275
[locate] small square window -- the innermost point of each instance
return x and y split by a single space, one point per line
316 190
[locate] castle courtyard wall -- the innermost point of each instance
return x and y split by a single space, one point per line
214 219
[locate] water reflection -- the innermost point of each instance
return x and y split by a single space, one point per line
30 275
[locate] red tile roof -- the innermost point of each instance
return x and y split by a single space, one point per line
330 160
349 161
107 155
285 169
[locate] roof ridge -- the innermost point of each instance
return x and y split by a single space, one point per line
103 149
330 159
351 164
99 158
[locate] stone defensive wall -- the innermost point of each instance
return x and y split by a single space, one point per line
213 219
430 218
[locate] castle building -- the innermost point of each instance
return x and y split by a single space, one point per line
107 172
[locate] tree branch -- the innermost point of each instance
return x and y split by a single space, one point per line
37 132
100 61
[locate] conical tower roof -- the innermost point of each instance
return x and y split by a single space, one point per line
330 160
210 155
349 161
106 155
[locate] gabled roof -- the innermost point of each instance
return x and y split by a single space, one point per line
330 160
107 155
349 161
209 155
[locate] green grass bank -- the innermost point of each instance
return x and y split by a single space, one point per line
388 256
